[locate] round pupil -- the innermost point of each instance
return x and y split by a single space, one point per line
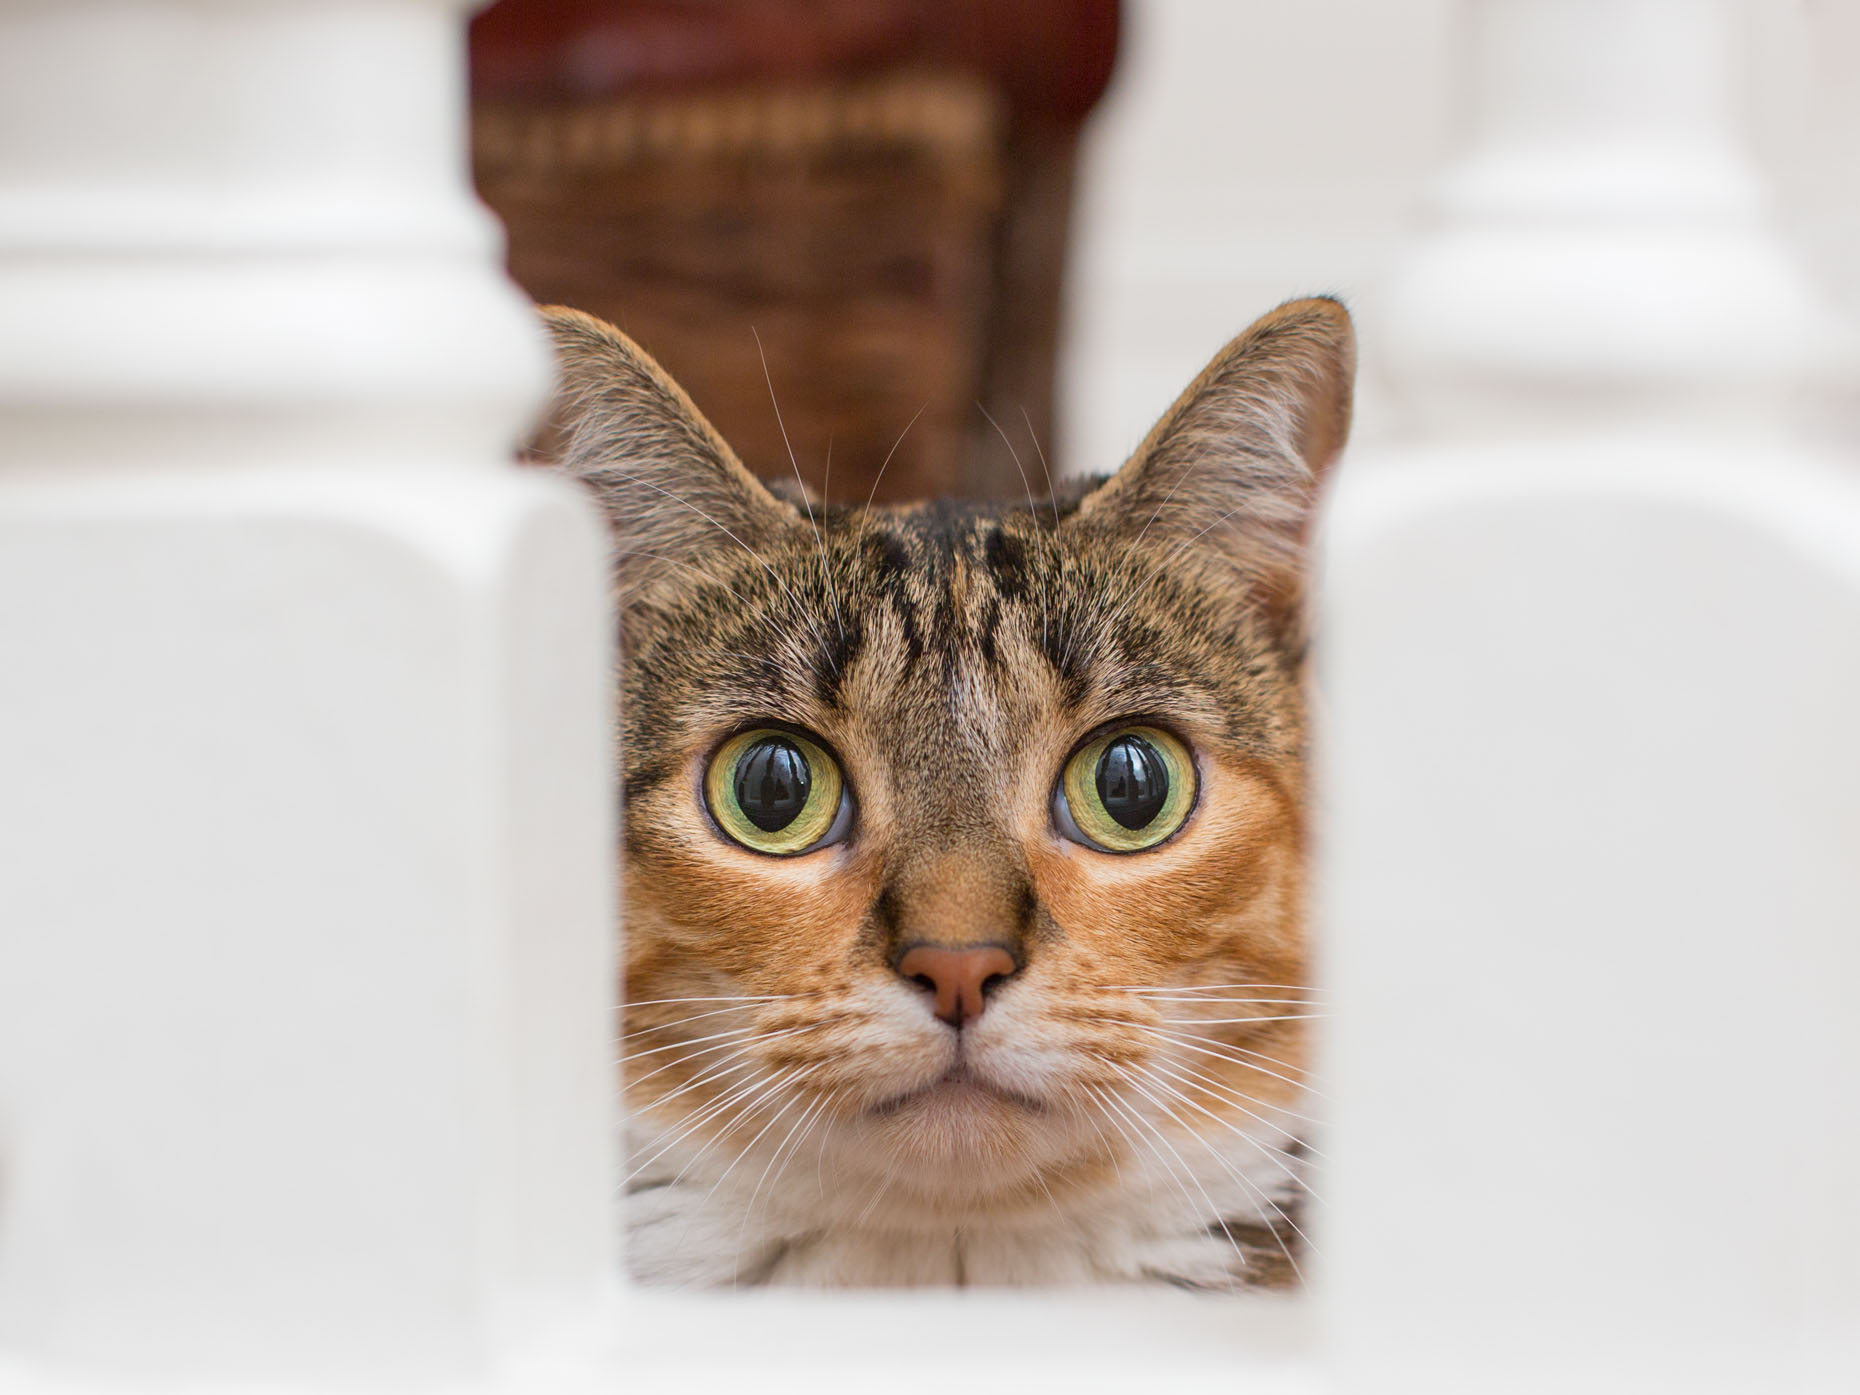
772 782
1133 781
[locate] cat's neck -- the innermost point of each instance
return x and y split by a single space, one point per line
792 1218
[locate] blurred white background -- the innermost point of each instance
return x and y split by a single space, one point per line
1250 151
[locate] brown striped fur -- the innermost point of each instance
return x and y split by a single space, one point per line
951 656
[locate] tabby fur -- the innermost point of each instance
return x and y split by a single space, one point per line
1131 1105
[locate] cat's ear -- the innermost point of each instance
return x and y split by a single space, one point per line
1234 466
670 487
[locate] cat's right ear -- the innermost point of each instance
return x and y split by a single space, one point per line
669 486
1234 467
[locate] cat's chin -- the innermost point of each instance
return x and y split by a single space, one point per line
962 1145
958 1096
960 1149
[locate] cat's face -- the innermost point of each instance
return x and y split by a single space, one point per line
966 840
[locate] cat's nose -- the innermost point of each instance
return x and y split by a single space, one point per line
961 978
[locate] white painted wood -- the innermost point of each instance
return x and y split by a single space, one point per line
1593 792
1083 1340
305 961
1247 152
1589 773
1605 242
1251 150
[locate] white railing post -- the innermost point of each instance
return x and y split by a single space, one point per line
305 808
1589 762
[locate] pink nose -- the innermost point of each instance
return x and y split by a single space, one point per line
960 978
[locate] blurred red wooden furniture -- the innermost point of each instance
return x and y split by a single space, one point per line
878 189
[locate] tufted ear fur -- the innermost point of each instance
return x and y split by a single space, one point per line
670 487
1234 466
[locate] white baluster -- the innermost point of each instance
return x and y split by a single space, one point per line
1604 248
304 782
1589 763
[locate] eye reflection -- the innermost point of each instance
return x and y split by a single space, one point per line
1132 781
772 783
1126 790
777 792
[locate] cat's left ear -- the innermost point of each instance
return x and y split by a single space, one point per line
671 489
1233 468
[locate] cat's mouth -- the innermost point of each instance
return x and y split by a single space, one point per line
956 1087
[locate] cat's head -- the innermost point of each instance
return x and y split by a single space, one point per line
971 833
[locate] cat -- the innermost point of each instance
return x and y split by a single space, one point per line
963 845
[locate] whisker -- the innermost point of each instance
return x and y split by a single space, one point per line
1147 1023
745 1150
1052 493
825 569
682 1021
1091 1117
873 493
1123 1070
695 570
1277 1157
827 1102
878 1192
1259 1194
740 1049
745 1101
820 1149
1209 1046
1122 1133
1246 1184
1208 1201
1211 1087
1207 987
1223 1021
1101 1094
789 1145
749 1209
751 1041
799 609
1029 488
1280 1157
1161 566
1121 1106
743 1115
1179 481
1052 1200
716 1070
692 1041
702 1116
703 1110
691 1120
722 998
819 1111
1177 1001
1248 1065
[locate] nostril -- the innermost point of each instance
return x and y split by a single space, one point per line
960 979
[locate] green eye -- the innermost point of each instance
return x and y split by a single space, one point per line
1126 790
776 792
